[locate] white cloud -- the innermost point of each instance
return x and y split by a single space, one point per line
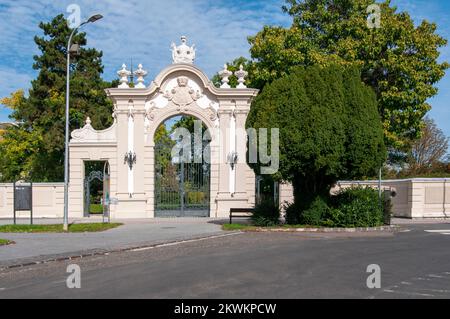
142 30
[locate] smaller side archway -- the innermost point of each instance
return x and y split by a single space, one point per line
93 187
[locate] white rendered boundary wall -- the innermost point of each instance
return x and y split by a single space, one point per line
48 201
416 198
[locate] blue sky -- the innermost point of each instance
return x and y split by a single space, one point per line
144 30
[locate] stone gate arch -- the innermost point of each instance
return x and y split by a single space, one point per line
179 89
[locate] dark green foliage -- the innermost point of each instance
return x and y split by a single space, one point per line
357 207
266 214
352 207
400 61
291 214
316 213
329 129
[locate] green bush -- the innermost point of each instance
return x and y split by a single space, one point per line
352 207
316 213
292 214
356 207
266 214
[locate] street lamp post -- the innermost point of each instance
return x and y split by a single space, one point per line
92 19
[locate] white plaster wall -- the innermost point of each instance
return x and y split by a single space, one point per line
416 198
48 201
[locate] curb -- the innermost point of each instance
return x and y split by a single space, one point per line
10 242
104 252
326 230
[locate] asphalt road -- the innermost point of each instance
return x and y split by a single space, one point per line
414 264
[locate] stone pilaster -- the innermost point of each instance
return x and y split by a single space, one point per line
139 140
224 168
241 148
122 148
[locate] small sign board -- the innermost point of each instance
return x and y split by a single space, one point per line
23 199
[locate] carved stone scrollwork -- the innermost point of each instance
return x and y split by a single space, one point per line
212 112
183 95
114 114
149 113
89 134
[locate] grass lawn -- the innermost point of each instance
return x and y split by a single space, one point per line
252 227
4 242
74 228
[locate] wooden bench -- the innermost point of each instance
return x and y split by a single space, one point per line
240 212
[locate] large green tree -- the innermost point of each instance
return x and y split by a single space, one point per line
41 115
398 60
329 128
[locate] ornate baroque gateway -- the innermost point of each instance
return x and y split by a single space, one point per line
129 148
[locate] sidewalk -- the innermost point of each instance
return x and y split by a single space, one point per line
420 221
133 233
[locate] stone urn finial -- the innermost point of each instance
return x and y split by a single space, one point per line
123 75
241 75
225 75
140 73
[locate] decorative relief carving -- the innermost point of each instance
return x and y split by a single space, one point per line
212 112
114 114
183 95
89 134
149 112
183 53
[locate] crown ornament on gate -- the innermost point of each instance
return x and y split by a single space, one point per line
183 53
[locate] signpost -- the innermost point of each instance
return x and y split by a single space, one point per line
23 199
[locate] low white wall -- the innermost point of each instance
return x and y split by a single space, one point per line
48 201
416 198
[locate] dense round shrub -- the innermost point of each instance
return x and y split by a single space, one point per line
357 207
267 213
316 213
352 207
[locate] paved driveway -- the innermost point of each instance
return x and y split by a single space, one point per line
413 264
132 233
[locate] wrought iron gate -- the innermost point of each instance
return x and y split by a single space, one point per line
87 190
181 189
